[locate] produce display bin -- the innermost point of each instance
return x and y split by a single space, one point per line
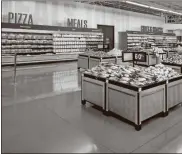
83 61
176 67
174 92
163 55
151 60
95 61
134 104
93 90
170 53
118 59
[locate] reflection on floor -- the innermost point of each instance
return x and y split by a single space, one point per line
42 113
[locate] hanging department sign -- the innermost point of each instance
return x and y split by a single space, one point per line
77 23
174 19
20 18
148 29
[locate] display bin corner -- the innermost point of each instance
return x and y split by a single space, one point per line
176 67
134 104
93 90
95 61
83 61
174 92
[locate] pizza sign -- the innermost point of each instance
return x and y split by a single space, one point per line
20 18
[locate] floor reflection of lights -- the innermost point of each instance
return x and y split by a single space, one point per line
90 148
65 80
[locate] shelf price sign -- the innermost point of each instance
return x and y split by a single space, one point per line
139 56
127 56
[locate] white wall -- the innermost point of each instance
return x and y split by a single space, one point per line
177 28
56 13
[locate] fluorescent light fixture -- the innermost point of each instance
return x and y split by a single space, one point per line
138 4
158 9
175 12
151 7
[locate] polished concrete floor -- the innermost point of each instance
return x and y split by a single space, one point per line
42 113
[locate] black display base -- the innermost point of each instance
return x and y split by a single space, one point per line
165 114
138 127
83 102
106 113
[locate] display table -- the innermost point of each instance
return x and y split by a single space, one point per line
176 67
151 59
93 90
83 61
134 104
174 92
95 61
88 62
170 53
128 103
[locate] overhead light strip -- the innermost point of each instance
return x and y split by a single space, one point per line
154 8
138 4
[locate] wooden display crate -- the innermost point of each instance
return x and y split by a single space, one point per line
95 61
118 60
176 67
93 90
83 61
133 104
151 60
174 92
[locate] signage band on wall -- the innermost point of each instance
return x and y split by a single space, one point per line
78 23
149 29
20 18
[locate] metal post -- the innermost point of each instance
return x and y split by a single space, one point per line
15 57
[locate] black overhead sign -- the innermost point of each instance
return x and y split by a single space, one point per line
148 29
47 28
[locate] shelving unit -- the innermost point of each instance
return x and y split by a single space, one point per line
49 39
76 42
26 43
131 39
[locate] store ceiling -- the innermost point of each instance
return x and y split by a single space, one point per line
170 4
173 5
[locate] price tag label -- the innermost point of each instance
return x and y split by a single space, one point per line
100 46
139 56
127 56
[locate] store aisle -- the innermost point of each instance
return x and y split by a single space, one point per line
43 113
35 82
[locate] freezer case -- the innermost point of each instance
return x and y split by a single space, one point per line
133 104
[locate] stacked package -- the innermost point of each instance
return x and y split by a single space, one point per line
174 59
135 76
